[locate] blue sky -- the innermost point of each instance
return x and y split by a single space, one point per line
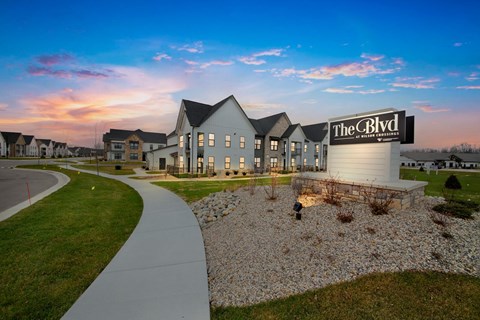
66 68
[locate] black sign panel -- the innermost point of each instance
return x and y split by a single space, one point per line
386 127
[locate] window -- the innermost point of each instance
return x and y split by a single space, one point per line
273 162
117 156
257 162
242 163
133 145
317 148
274 145
316 162
133 156
304 162
292 147
117 146
305 148
151 147
200 139
292 162
211 163
242 142
258 144
228 141
180 142
180 161
227 162
211 139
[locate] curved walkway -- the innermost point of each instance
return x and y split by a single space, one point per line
159 273
61 181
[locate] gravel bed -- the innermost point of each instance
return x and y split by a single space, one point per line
258 251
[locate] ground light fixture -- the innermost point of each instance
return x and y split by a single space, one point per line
297 207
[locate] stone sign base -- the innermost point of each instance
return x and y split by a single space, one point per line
315 186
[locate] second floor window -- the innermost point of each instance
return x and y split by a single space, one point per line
211 139
134 145
317 148
117 146
228 141
305 148
242 142
258 144
180 142
274 145
200 139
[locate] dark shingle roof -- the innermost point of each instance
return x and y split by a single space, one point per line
28 139
316 132
198 113
440 156
11 137
264 125
44 141
150 137
290 130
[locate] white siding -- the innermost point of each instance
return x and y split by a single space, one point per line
372 162
3 147
229 119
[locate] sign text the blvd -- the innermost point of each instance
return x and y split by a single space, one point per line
366 126
384 127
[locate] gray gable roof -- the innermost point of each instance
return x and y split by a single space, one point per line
11 137
44 141
28 139
290 130
316 132
149 137
264 125
198 113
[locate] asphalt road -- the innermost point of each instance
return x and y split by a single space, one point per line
13 183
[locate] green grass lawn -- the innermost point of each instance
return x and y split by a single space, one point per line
109 169
53 250
192 191
470 182
404 295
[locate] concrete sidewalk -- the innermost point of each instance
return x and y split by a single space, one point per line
159 273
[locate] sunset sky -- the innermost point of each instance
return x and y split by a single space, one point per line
69 69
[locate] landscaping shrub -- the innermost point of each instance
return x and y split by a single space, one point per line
118 167
345 216
227 173
378 200
422 169
452 183
235 172
454 208
244 173
331 195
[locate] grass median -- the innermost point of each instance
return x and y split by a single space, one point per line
109 169
194 190
403 295
53 250
470 182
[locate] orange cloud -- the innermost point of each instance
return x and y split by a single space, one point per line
430 109
136 94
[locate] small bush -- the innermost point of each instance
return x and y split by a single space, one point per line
227 173
118 167
379 200
345 216
447 235
439 219
235 172
452 183
244 173
422 169
371 230
455 209
332 195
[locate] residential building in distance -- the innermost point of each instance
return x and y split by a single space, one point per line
45 148
14 144
126 145
31 147
59 149
448 160
3 146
